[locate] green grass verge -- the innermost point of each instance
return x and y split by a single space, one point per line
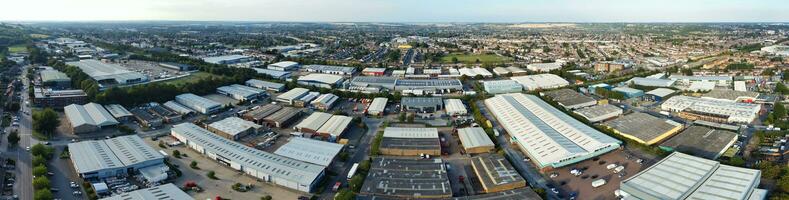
472 58
193 78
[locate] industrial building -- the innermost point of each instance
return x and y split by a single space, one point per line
502 86
146 118
731 95
335 127
376 83
180 109
540 81
651 82
544 67
119 156
694 108
258 114
701 141
496 174
108 74
407 178
176 66
275 74
268 167
372 71
422 104
283 117
659 94
325 101
58 98
644 128
688 80
234 128
88 118
455 107
509 71
312 123
475 140
283 66
629 92
321 80
520 193
536 127
54 79
378 106
309 150
682 176
474 72
608 66
570 99
240 92
598 113
227 59
119 112
330 69
161 192
266 85
305 100
198 103
399 141
292 95
169 116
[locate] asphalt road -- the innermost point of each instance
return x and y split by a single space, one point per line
24 183
361 152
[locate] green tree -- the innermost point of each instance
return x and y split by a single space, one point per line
176 153
13 137
193 165
769 170
212 175
43 194
42 150
781 88
39 160
267 197
455 60
344 194
41 182
356 182
783 183
46 121
779 111
40 170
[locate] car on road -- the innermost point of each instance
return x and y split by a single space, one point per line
554 190
27 148
73 184
77 193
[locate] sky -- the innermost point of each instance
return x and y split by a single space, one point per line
504 11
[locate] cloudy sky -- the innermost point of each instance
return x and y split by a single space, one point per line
401 10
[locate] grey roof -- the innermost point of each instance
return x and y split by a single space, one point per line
421 101
330 79
91 114
569 98
627 90
264 84
336 125
131 150
682 176
263 111
520 193
330 68
309 150
494 170
117 110
240 90
93 156
272 73
293 94
700 78
284 114
652 82
103 71
314 121
325 99
472 137
162 192
407 177
731 95
403 132
702 141
225 58
196 102
643 126
278 167
502 86
234 125
661 92
599 112
172 105
410 138
378 105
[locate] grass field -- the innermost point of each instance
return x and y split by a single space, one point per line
194 77
39 36
472 58
21 48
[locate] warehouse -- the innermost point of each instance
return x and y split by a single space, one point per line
258 114
535 126
176 66
119 112
599 113
146 118
325 101
430 85
292 95
694 108
740 86
312 123
321 80
509 71
378 106
540 81
701 141
162 192
266 85
496 174
520 193
407 178
651 82
629 92
544 67
372 71
687 80
330 69
335 127
474 72
283 66
659 94
475 140
644 128
99 159
198 103
240 92
268 167
700 179
305 100
234 128
283 117
275 74
55 79
570 99
227 59
373 82
455 107
88 118
47 97
502 86
422 104
731 95
309 150
168 115
410 141
108 74
180 109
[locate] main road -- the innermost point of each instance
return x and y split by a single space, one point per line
24 181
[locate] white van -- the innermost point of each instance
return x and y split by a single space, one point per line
598 182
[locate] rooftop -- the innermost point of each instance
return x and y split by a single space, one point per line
220 59
234 125
731 95
474 137
336 125
293 94
702 141
117 111
327 68
421 101
407 177
53 75
161 192
103 71
322 78
494 170
314 121
115 153
569 98
540 81
309 150
596 111
90 114
644 127
661 92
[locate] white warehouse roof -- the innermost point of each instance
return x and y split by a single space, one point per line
90 114
540 81
330 79
196 102
118 111
455 106
543 67
402 132
378 105
162 192
119 152
104 71
735 112
180 109
314 121
234 125
237 90
336 125
309 150
293 94
472 137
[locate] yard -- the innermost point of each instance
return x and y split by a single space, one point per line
192 78
472 58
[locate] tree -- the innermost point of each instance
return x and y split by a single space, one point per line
356 182
40 170
212 175
193 165
41 182
267 197
13 137
455 60
344 194
39 160
43 194
42 150
769 170
176 153
779 111
781 88
46 121
783 183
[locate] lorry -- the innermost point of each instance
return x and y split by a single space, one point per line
598 183
619 169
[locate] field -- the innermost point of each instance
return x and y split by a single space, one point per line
194 77
38 36
472 58
21 48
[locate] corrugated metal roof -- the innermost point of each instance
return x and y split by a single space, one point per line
234 125
314 121
336 125
309 150
402 132
474 137
90 114
162 192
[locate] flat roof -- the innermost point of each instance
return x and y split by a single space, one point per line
330 79
263 111
378 105
234 125
702 141
161 192
540 81
102 71
219 59
264 84
240 90
643 126
735 112
472 137
539 127
421 101
407 177
271 72
731 95
177 107
284 64
192 101
700 78
309 150
91 114
278 167
314 121
569 98
494 170
110 154
502 86
661 92
332 68
117 111
525 193
652 82
284 114
596 111
336 125
325 99
454 105
293 94
404 132
53 75
374 69
131 150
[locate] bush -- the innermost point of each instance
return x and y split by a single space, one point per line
40 170
41 182
267 197
212 175
43 194
176 153
344 194
193 165
39 160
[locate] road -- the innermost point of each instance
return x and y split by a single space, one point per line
360 153
24 182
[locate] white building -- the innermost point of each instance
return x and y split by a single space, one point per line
330 69
336 126
198 103
227 59
473 72
309 150
161 192
378 106
233 128
325 101
283 66
99 159
599 113
292 95
715 110
455 107
312 123
544 67
502 86
321 80
540 81
107 73
240 92
88 118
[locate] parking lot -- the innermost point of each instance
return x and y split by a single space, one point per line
593 169
151 69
